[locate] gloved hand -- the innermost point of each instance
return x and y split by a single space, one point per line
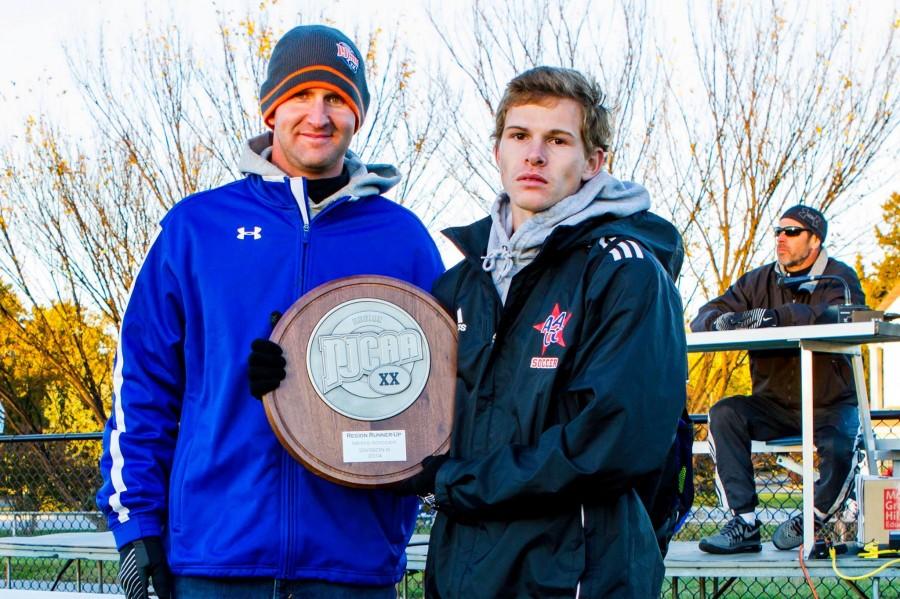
422 483
757 318
140 562
266 367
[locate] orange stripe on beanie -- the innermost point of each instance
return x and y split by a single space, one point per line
315 56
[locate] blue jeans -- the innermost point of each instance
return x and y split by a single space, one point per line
189 587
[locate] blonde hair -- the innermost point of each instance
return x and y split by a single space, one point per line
540 84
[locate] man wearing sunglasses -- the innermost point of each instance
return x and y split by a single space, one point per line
773 410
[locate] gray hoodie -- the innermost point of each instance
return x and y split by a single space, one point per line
365 179
817 269
508 254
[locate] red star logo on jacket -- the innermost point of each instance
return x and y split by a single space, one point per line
552 328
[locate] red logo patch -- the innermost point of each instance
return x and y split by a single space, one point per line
552 328
344 51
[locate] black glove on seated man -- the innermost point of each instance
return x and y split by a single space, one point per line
422 483
140 562
757 318
266 367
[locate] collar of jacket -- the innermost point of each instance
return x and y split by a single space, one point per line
365 179
472 240
816 269
656 234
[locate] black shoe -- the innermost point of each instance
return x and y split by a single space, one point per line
789 534
735 537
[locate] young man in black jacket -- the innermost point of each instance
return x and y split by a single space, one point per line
756 300
571 365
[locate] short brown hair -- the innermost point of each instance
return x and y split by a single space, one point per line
543 83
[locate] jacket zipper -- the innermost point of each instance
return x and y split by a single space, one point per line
497 317
287 533
467 541
297 189
584 534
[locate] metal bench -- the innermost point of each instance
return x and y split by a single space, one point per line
101 547
782 445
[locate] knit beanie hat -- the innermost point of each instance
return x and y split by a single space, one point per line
812 218
315 56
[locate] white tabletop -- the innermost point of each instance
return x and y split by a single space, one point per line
851 333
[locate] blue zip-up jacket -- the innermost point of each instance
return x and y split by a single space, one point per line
188 452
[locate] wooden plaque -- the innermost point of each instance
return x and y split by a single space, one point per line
371 375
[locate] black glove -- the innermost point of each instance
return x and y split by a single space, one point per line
140 562
266 367
422 483
757 318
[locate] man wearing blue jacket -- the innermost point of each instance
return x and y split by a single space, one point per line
200 496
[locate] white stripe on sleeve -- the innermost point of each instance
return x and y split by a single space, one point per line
115 448
636 248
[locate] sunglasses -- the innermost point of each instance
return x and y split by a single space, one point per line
790 231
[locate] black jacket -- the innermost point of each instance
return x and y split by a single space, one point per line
776 373
566 397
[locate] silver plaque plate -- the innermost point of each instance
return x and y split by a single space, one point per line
368 359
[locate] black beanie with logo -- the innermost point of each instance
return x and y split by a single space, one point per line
315 56
812 218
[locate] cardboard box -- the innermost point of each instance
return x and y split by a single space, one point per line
880 502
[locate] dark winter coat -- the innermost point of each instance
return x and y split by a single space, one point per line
567 397
776 373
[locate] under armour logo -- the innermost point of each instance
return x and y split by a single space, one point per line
256 232
384 381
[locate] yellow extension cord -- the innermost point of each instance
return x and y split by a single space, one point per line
870 551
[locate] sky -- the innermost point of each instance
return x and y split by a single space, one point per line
34 76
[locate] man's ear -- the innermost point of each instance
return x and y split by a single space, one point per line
593 165
497 154
818 241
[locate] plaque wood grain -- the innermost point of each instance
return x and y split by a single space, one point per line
311 430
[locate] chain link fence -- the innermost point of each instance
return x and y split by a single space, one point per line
47 485
778 485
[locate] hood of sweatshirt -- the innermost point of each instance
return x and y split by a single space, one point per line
816 269
365 179
509 252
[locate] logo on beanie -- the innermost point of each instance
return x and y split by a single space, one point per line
344 51
810 217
